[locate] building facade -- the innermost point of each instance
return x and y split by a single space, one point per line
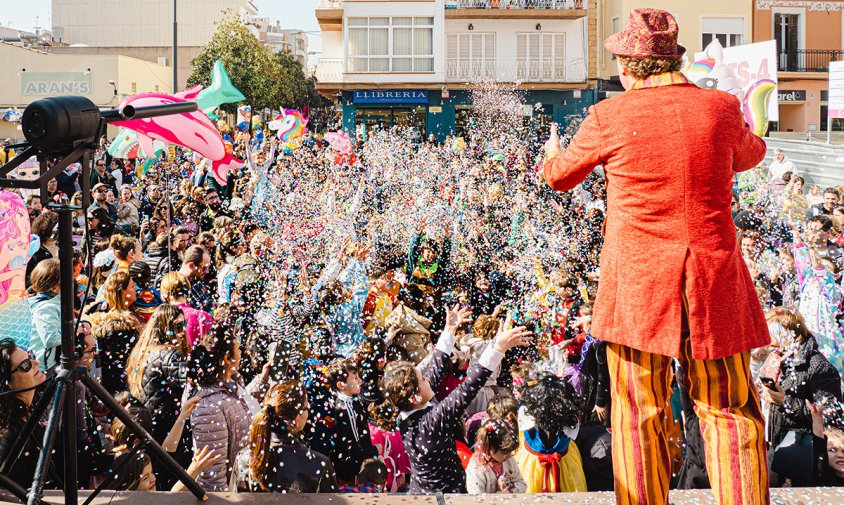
809 37
281 39
730 21
140 28
32 75
413 63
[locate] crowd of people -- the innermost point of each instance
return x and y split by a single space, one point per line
408 317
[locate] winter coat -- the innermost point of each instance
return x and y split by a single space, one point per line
669 232
481 479
413 335
807 375
429 433
156 258
221 421
163 383
46 338
116 333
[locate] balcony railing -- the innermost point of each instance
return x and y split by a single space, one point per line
329 71
516 4
522 71
332 71
809 60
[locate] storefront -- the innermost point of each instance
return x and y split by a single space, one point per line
429 112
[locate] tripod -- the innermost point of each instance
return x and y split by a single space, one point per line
58 400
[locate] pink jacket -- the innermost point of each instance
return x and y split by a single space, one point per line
198 322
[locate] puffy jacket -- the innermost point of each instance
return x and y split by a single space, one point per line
221 421
163 384
116 333
156 258
46 337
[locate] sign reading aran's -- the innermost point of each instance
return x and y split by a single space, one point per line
391 96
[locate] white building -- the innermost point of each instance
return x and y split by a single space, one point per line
141 28
281 39
412 62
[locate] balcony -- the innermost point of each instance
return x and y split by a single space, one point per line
515 9
809 60
542 71
329 14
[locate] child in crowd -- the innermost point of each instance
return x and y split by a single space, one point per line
428 430
372 478
548 456
493 468
351 442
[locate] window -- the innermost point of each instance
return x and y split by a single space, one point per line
541 57
787 34
616 27
470 56
134 87
729 31
383 44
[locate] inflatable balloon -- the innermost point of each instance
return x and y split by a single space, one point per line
756 105
12 115
16 247
220 91
290 124
193 130
242 113
458 144
125 145
340 142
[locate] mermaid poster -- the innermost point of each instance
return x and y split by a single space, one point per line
16 247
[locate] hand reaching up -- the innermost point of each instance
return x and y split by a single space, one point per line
455 317
508 337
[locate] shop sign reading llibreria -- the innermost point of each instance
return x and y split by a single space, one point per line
390 96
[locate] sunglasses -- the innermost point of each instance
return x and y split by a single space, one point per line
25 365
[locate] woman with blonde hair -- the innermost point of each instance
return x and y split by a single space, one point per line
116 330
157 374
175 289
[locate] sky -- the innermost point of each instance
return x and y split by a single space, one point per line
295 14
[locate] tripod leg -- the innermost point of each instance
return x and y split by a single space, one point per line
145 438
13 487
53 423
34 419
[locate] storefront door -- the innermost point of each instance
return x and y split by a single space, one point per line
386 118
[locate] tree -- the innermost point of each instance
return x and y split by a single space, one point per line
251 66
291 86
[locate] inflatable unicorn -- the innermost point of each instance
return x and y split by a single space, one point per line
290 125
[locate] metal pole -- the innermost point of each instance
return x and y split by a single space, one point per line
68 359
175 49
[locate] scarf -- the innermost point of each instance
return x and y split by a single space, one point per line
549 457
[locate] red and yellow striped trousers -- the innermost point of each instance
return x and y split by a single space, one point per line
730 418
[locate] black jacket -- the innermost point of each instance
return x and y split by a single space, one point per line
163 384
429 434
293 468
156 258
116 333
806 376
351 444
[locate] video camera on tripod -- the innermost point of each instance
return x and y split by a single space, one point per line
65 130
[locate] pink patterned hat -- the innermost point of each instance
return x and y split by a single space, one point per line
649 33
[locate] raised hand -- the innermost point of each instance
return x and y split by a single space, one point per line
506 338
455 317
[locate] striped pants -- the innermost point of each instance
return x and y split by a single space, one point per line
730 419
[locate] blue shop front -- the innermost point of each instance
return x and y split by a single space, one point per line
428 112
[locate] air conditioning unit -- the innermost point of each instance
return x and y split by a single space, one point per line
162 60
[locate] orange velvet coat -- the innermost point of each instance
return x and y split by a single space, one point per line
670 154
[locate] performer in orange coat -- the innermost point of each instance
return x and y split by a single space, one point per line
672 280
